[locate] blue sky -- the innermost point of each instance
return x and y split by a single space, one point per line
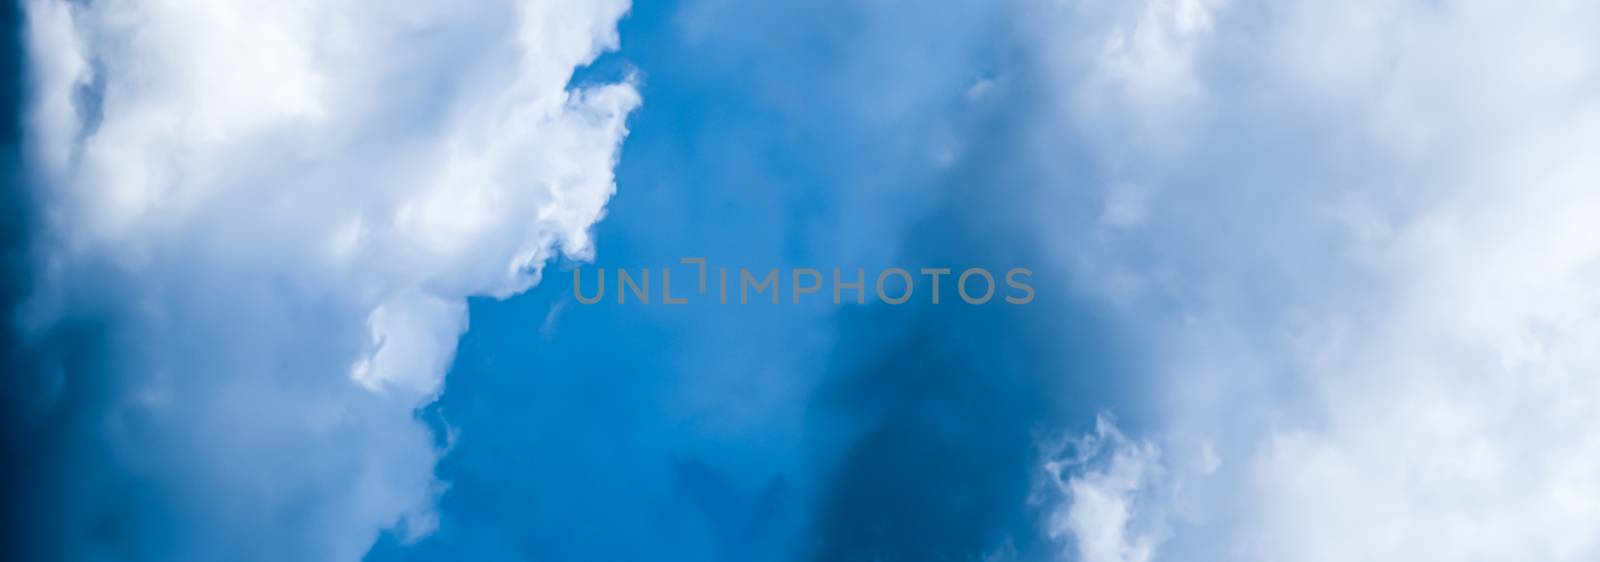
736 433
293 280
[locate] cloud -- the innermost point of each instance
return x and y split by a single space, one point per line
1366 259
1354 240
1099 486
1351 239
276 211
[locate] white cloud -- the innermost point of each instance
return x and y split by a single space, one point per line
281 207
1369 260
1100 487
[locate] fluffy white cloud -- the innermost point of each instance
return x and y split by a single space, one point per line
280 208
1368 257
1102 490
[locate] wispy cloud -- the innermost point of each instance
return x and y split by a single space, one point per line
1102 495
